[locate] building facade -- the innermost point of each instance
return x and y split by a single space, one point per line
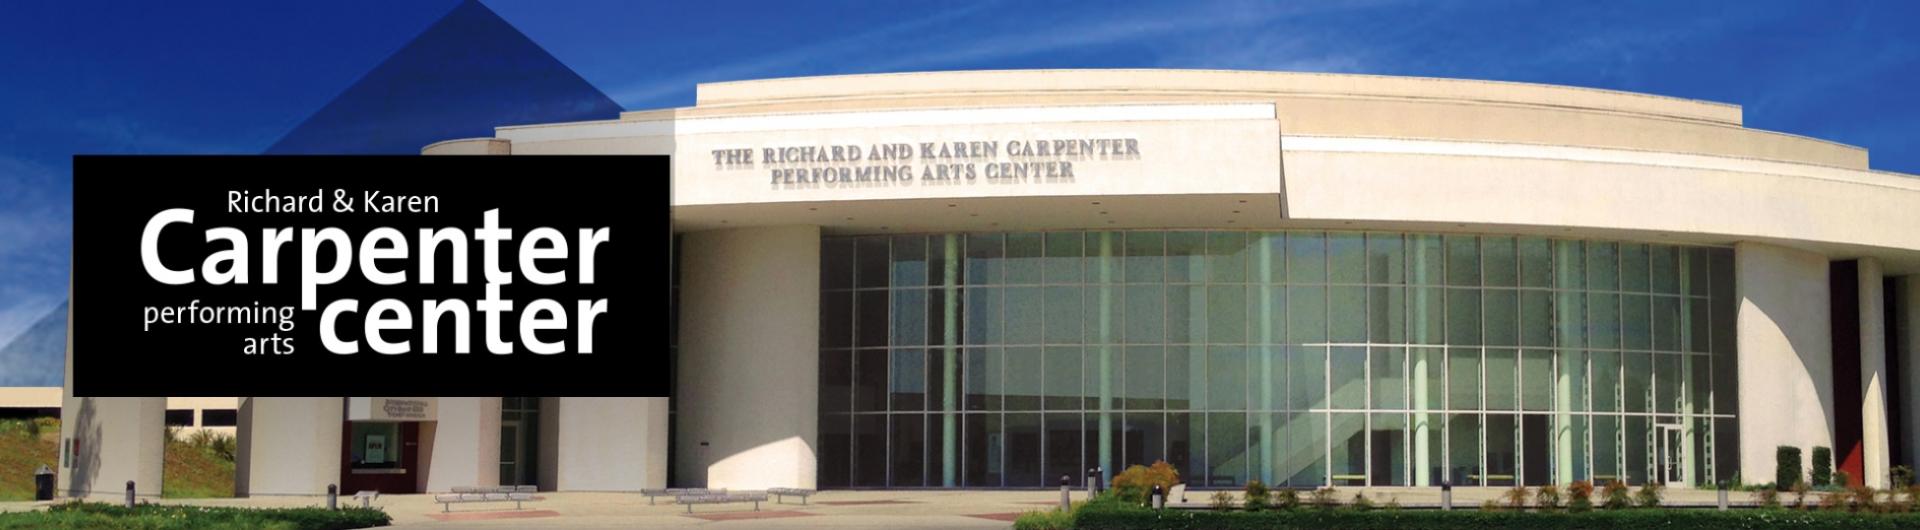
993 279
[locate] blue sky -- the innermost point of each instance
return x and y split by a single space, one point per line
232 77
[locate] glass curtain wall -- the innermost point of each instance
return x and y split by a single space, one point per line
1303 358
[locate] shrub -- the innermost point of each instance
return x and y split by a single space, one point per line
1257 496
1393 503
1902 476
1044 520
1489 505
1580 496
1361 502
1863 499
1616 495
1766 498
1822 466
1325 498
1649 495
1119 516
1288 499
1517 497
1786 466
1223 500
1800 490
1136 483
1833 500
157 516
1841 480
1548 498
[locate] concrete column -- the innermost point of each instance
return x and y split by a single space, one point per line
1785 353
749 357
1873 373
113 440
606 444
289 446
464 448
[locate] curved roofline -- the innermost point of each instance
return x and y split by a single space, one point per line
907 84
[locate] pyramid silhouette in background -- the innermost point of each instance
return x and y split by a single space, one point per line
38 355
468 73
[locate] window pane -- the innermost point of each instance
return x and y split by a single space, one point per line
1062 369
909 317
1186 313
1665 269
871 263
1502 317
1388 436
1637 459
983 385
1349 449
1227 448
1146 260
1572 395
1463 261
1386 314
1227 257
870 381
1024 256
1023 378
1606 449
909 261
870 450
1349 383
1186 257
1666 382
983 315
985 258
1388 378
1666 323
1306 449
1428 430
1023 452
1463 449
1463 317
908 451
1386 260
1307 377
1064 262
1062 314
1633 267
1145 314
1347 313
1536 262
1569 264
1498 261
1306 257
1307 314
1603 317
1606 381
1267 320
1426 371
1536 450
1426 311
1603 266
1570 314
983 451
1638 391
1063 449
1271 267
1537 385
1463 379
1425 260
836 319
1227 378
1536 318
909 381
1346 256
1227 313
1636 325
1501 455
1501 370
836 263
1145 373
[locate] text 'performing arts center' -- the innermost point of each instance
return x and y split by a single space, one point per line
992 279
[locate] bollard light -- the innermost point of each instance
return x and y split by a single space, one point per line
129 494
333 497
1159 498
1446 495
1066 497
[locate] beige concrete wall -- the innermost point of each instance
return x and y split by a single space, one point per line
749 361
116 440
608 443
1873 373
465 449
1785 358
290 446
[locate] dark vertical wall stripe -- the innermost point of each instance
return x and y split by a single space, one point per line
1843 281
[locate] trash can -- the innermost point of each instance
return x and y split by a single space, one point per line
43 483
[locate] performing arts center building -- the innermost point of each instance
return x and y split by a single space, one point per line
993 279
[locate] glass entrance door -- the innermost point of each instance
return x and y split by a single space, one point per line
510 454
1670 460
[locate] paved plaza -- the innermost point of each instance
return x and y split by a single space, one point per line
832 509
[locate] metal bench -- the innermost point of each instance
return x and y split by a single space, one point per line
676 492
470 494
755 497
780 494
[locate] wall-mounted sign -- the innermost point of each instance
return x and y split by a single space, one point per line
950 162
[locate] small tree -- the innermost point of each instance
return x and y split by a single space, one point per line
1767 497
1786 466
1548 498
1517 497
1800 490
1223 500
1580 496
1258 497
1617 495
1361 502
1136 483
1326 498
1822 466
1902 477
1649 495
1288 498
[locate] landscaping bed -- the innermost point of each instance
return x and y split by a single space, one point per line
93 515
